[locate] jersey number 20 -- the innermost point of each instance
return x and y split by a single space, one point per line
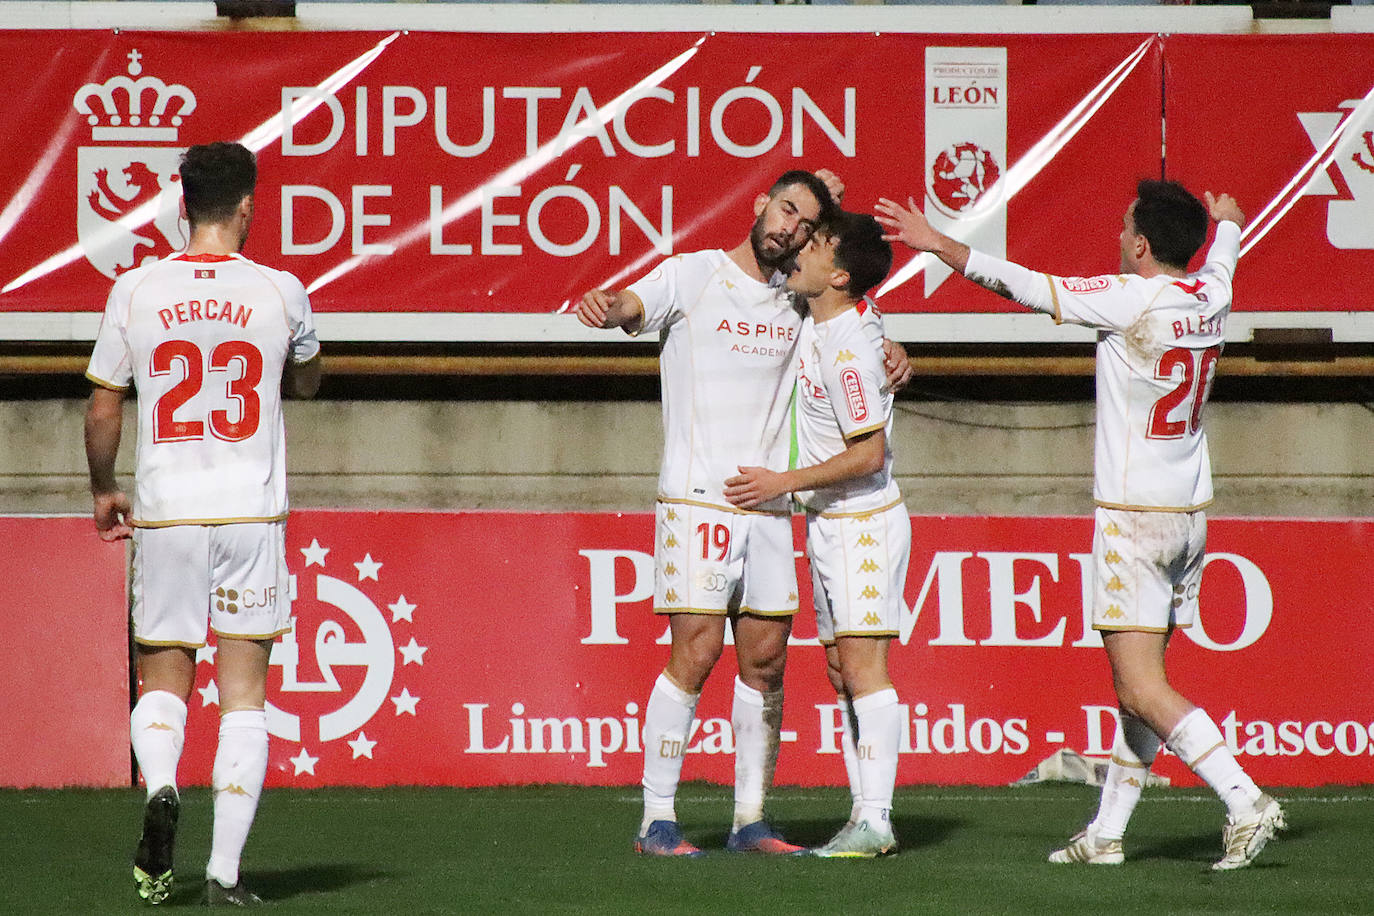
185 357
1198 368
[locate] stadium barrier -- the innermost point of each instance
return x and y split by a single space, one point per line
492 648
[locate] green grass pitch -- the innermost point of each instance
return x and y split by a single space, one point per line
568 850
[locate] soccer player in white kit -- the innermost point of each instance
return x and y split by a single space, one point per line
858 529
727 366
1161 331
209 340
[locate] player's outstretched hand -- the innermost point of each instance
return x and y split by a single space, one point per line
907 224
832 183
753 487
897 364
1224 207
593 307
111 514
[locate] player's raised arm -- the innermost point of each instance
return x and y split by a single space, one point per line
602 308
909 226
1223 208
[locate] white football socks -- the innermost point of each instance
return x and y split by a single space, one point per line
237 778
880 730
1198 743
667 727
1133 751
157 728
851 758
756 718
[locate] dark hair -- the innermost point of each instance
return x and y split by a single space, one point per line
813 184
860 249
215 177
1172 220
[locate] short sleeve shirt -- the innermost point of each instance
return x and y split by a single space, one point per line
842 392
204 341
727 367
1158 346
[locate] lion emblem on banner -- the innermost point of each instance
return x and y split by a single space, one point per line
128 198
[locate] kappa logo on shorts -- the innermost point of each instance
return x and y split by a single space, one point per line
868 566
866 540
1113 612
871 620
870 592
1116 584
340 664
128 196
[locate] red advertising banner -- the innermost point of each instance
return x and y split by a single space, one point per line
64 656
505 648
1286 124
507 173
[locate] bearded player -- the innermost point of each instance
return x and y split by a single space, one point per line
1161 331
209 340
858 532
727 366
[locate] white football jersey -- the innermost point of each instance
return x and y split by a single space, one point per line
842 392
1158 345
204 340
726 366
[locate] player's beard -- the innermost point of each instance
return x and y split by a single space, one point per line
778 260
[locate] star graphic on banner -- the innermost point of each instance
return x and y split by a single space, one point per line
405 702
314 554
304 762
367 569
210 693
401 610
206 653
362 747
413 652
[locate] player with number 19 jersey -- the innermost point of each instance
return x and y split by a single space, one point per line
1159 342
211 439
727 367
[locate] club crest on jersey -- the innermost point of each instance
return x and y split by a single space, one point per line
1083 285
127 187
1351 164
854 395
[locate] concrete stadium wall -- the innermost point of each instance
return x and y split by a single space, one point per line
1270 459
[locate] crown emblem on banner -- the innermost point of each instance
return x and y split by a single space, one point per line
131 121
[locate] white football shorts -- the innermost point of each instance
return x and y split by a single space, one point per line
858 572
234 575
1147 569
713 561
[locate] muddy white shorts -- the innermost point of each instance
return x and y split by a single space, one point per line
233 575
713 561
858 572
1147 569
